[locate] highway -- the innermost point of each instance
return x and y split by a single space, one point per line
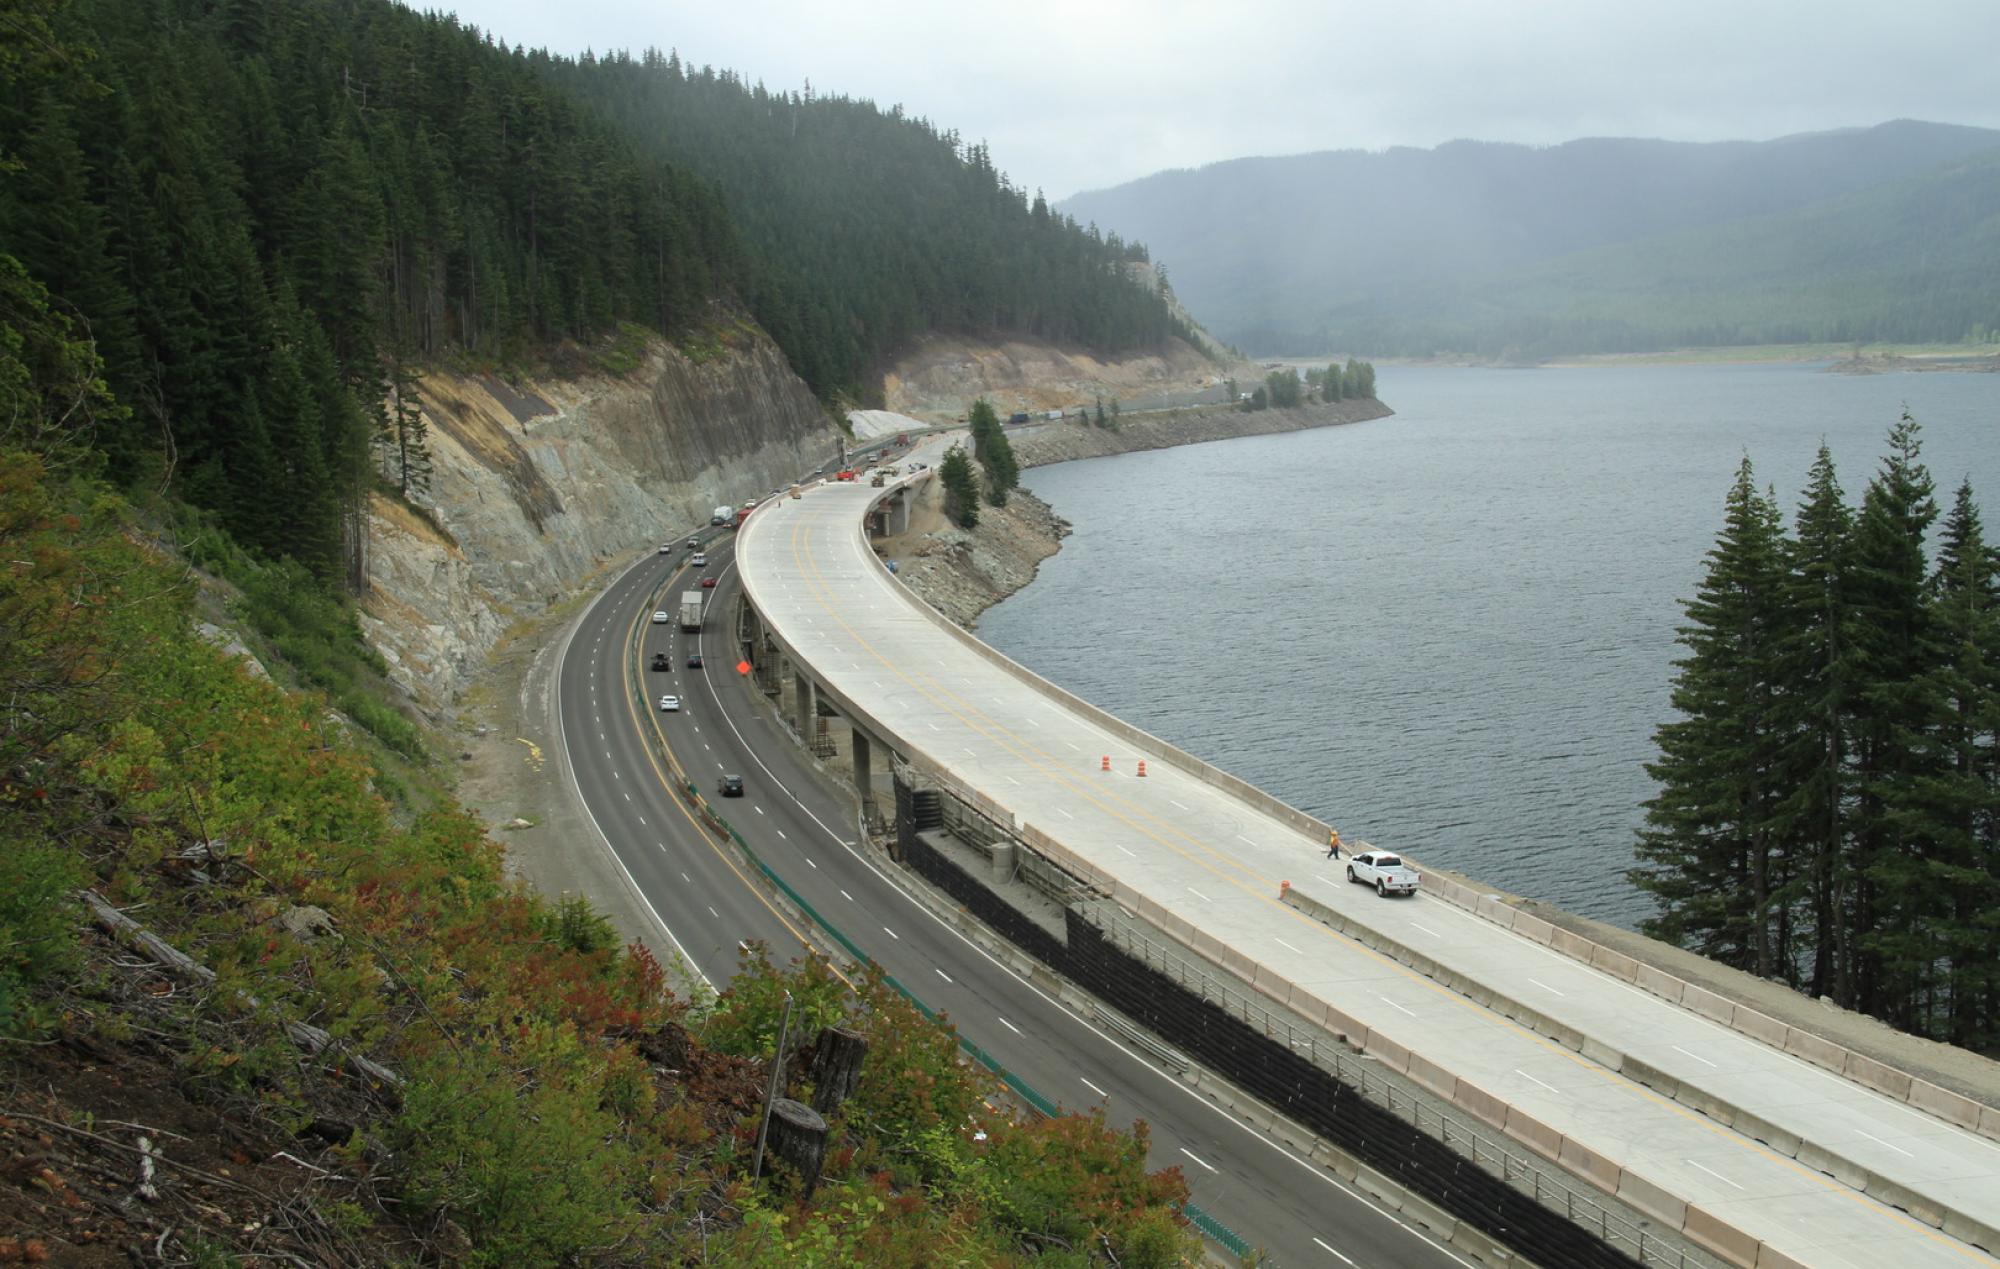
705 894
1183 846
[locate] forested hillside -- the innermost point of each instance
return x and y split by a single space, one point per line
263 213
262 1001
1915 261
1496 249
864 227
268 213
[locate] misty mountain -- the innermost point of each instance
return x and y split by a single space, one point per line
1378 252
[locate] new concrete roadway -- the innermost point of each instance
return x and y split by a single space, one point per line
1202 857
705 894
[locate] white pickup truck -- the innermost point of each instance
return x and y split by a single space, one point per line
1383 870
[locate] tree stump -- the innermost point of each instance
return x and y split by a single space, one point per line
798 1136
836 1067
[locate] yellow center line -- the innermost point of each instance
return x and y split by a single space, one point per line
969 714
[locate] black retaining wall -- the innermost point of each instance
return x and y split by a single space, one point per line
1280 1078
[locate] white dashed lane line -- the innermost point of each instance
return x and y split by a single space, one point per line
1343 1259
1197 1158
942 974
1095 1089
1010 1026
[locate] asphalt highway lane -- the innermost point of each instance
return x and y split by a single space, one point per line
707 896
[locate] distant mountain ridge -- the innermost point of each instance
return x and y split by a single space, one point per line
1384 252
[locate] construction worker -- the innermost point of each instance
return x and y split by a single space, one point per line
1333 843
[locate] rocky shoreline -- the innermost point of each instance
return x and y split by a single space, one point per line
1162 429
963 572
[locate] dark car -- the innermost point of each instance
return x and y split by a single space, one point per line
730 786
661 661
708 583
694 660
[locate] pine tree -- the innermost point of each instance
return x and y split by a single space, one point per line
1816 669
407 438
1958 796
1895 700
1706 852
1330 384
961 488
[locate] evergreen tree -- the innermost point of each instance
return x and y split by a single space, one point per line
1329 384
994 451
961 488
1958 797
1283 387
407 438
1894 702
1816 668
1706 850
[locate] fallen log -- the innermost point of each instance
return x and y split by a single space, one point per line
313 1040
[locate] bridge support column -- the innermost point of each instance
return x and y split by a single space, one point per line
805 704
769 662
898 513
864 773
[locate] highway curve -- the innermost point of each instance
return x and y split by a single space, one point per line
712 902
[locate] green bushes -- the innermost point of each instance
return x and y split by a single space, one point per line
313 629
537 1172
38 925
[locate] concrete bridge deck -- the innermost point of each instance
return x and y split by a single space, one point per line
1533 1042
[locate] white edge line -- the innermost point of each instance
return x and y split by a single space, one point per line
576 790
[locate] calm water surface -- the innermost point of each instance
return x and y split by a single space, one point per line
1451 631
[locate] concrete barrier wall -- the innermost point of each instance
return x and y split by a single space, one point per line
1702 1227
1974 1116
1580 1159
1953 1107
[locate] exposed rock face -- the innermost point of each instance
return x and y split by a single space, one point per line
535 486
942 376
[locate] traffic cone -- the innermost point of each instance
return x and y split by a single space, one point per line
1142 766
1284 888
1106 766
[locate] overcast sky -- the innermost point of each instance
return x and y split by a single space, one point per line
1082 94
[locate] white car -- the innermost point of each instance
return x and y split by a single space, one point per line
700 558
666 548
660 617
671 704
1383 870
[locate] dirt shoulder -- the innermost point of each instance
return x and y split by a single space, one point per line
510 773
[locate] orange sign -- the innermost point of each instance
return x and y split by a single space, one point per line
743 667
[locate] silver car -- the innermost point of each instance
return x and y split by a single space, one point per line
1384 870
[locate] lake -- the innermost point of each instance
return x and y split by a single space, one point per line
1451 631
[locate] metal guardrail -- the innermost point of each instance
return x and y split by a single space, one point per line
1530 1176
